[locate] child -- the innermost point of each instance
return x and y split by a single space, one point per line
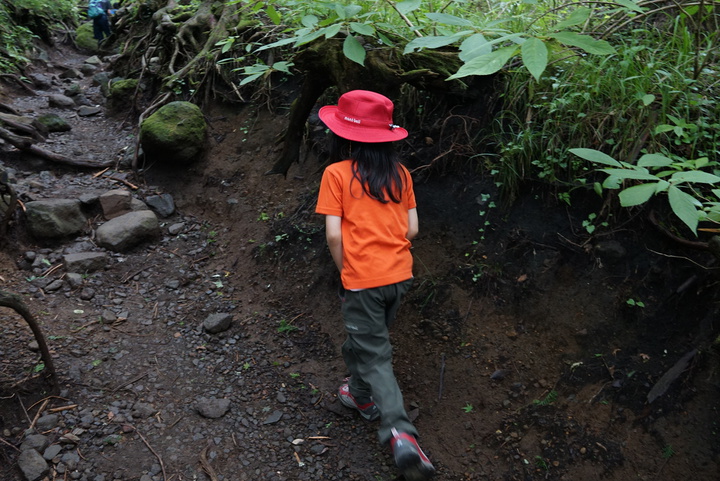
370 213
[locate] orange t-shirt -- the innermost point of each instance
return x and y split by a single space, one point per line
375 250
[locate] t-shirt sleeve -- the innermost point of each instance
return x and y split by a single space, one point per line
330 195
409 193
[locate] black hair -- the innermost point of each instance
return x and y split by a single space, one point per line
375 166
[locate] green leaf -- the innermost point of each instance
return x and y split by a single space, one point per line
352 10
273 15
534 56
332 30
474 46
595 156
279 43
448 19
662 128
362 28
486 64
654 160
637 194
309 21
630 174
630 5
353 50
576 17
683 205
696 176
647 99
282 66
385 40
408 6
249 79
584 42
431 41
612 182
309 37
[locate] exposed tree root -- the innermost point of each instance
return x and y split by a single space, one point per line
15 302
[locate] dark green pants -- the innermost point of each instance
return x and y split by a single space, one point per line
367 315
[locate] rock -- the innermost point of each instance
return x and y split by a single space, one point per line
71 73
176 229
175 134
32 465
212 408
40 80
84 262
61 101
47 422
115 203
218 322
274 417
36 442
51 451
54 123
94 60
120 92
125 232
88 69
162 204
143 410
88 110
72 90
55 218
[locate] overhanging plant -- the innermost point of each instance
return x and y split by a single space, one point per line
690 190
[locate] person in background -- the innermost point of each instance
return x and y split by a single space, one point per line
370 213
98 11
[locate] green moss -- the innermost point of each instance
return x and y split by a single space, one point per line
84 37
175 133
121 89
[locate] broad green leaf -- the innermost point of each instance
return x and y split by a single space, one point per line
332 30
353 50
630 5
695 176
630 174
249 79
279 43
362 28
647 99
584 42
683 205
662 186
576 17
474 46
597 187
637 194
448 19
663 128
340 12
534 56
408 6
352 10
612 182
311 36
385 40
654 160
595 156
309 21
282 66
431 41
273 15
486 64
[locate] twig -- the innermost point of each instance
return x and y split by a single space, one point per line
8 444
62 408
206 464
405 19
130 381
39 411
162 465
122 181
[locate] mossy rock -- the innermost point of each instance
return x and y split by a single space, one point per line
175 134
84 37
54 123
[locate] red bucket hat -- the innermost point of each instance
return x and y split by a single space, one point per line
362 116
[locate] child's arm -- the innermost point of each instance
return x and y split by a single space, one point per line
412 224
333 234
